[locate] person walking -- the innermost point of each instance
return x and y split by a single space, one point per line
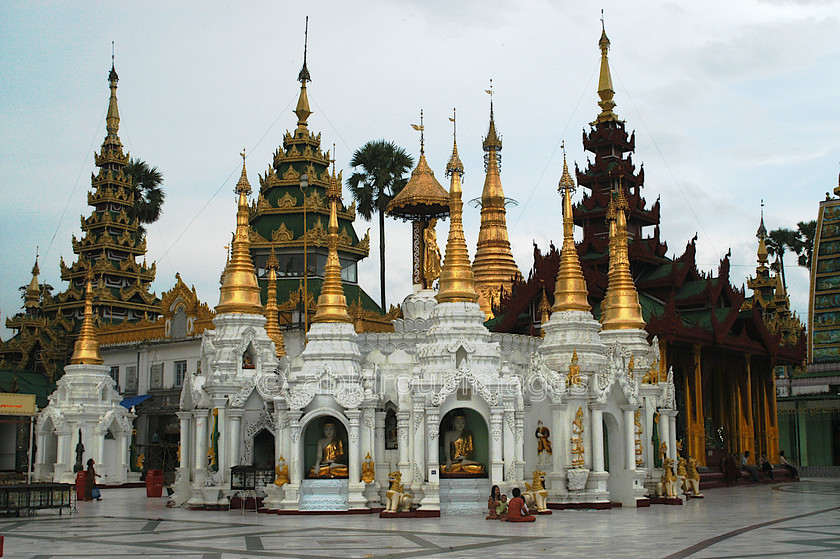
91 490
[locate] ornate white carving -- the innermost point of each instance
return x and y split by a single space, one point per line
496 430
251 429
451 382
369 417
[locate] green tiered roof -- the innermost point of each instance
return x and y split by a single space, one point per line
110 243
277 216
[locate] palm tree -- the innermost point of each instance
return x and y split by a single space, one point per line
778 242
382 176
807 230
148 194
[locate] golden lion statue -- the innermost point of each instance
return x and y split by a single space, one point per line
397 497
535 493
667 487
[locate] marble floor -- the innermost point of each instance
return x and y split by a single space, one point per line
785 520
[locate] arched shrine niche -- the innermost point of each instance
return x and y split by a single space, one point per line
325 449
264 450
464 444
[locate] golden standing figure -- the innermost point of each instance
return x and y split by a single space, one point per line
652 375
578 450
574 371
431 254
281 473
368 473
543 441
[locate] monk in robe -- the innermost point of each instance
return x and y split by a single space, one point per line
331 457
459 447
517 508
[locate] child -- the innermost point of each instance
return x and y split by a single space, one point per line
502 508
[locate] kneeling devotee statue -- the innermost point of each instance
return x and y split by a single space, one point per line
331 457
458 447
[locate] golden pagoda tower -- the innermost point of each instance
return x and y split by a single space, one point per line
240 292
332 304
605 85
86 350
494 267
570 292
620 309
457 283
272 326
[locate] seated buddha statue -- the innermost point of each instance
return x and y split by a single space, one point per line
458 447
331 456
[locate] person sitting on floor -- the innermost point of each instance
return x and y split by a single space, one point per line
787 465
766 466
502 509
747 468
730 470
517 511
493 502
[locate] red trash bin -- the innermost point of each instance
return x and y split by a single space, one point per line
154 483
81 483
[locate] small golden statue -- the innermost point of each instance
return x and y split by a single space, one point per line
281 473
331 457
631 366
578 450
431 254
692 478
663 450
535 493
141 458
574 371
543 441
367 469
396 495
667 486
652 376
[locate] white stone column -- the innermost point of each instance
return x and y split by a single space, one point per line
281 428
664 431
519 444
291 493
508 431
419 460
629 437
403 422
121 468
431 489
497 463
672 434
234 434
200 444
184 417
381 466
356 499
597 430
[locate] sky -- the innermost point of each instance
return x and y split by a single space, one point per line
732 103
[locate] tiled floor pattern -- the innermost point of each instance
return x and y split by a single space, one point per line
789 520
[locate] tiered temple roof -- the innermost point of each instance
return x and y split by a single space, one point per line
277 221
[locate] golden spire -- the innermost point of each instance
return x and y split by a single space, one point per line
570 292
494 266
543 311
605 85
302 110
272 327
620 309
32 296
454 165
761 234
112 120
332 305
240 292
86 350
456 284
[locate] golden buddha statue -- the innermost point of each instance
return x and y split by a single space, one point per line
331 456
459 448
368 471
281 473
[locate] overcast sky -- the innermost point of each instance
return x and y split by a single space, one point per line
731 102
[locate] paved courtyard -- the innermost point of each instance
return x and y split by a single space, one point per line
786 520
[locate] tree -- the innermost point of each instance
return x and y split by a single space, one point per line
383 167
778 242
148 194
807 231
